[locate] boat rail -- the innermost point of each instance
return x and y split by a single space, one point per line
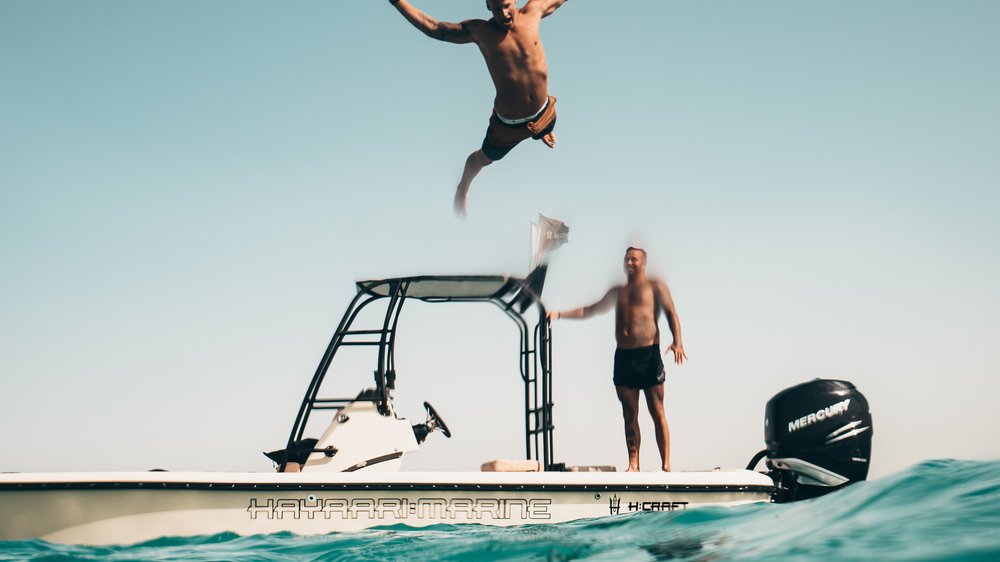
516 297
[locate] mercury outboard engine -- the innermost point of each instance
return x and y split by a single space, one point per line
818 437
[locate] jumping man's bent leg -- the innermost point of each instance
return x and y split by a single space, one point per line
473 164
629 398
654 401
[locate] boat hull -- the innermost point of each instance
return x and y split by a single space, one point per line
128 508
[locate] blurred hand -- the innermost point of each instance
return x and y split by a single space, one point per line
679 355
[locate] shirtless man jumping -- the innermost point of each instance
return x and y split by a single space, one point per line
638 365
515 58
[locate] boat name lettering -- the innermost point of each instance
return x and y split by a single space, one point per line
657 506
400 508
820 415
615 505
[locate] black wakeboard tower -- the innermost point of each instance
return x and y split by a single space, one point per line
516 297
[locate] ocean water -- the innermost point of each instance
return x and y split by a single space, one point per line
938 510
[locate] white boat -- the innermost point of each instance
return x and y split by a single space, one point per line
349 476
130 507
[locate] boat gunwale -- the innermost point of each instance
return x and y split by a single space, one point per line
742 480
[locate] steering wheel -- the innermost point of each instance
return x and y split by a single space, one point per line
434 421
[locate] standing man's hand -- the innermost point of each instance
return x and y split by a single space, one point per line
679 355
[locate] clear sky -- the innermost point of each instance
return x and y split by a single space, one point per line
189 189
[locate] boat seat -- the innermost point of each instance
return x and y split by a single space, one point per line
507 465
298 454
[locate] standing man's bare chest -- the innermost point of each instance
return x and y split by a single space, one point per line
637 297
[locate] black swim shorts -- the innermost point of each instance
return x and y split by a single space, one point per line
502 137
641 367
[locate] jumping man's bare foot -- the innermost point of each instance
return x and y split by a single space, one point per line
550 140
473 164
460 201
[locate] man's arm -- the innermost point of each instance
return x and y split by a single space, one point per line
440 30
546 7
666 303
606 303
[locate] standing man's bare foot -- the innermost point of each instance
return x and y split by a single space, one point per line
632 469
666 468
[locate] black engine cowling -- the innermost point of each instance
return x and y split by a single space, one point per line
818 437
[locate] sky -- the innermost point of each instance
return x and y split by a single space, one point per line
189 190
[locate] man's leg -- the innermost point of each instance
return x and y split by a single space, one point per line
473 164
654 400
629 398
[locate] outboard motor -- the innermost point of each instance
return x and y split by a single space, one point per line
818 437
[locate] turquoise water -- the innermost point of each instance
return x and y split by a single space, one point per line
938 510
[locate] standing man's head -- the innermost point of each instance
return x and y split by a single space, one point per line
504 12
635 261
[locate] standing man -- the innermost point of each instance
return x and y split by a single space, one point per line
515 58
638 365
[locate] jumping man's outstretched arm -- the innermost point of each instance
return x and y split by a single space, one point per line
545 6
442 31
